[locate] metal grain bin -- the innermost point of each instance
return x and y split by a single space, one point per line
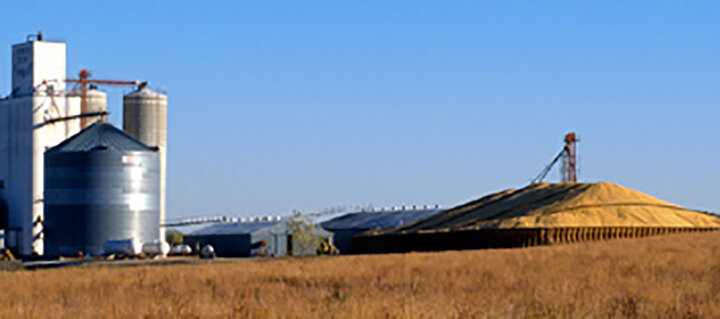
100 185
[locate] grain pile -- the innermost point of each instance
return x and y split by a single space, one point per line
541 214
565 205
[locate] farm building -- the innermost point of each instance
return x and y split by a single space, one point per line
254 238
541 214
347 226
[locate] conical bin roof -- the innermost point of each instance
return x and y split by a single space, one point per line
101 136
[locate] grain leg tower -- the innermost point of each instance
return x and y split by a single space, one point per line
145 118
33 118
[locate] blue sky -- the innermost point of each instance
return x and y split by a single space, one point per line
275 106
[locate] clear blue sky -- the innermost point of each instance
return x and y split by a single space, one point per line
307 104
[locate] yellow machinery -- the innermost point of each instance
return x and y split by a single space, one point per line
327 248
7 255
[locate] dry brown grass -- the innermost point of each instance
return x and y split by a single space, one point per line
672 276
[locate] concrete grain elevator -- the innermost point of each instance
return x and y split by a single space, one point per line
145 118
29 123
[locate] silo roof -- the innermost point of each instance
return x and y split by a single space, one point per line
101 136
91 92
372 220
238 228
145 92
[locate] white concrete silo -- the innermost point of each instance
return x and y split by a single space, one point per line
145 118
96 103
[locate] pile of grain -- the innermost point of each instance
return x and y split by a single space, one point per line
564 205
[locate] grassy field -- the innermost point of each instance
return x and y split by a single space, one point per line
672 276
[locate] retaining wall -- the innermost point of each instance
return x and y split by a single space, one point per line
504 238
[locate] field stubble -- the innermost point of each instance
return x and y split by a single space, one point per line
671 276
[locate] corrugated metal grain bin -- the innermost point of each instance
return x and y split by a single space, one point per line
100 185
3 222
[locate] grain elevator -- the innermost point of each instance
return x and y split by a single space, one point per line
145 118
44 108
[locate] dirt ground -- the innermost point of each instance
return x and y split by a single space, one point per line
671 276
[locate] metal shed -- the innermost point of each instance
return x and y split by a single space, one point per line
249 239
347 226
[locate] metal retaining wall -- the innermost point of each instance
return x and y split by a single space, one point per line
504 238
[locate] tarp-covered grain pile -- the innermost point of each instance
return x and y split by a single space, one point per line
541 214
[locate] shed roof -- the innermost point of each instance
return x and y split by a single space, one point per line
372 220
101 136
233 228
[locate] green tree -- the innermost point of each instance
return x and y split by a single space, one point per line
173 237
304 239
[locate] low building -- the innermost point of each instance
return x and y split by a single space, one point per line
347 226
256 238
